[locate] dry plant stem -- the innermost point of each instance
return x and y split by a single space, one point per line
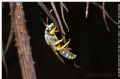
62 12
10 33
48 17
23 43
58 18
8 43
94 3
65 7
87 8
5 65
104 17
9 40
6 48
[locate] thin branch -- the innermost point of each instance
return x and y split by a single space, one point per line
62 12
10 34
57 16
87 8
47 17
65 7
8 43
94 3
104 17
5 65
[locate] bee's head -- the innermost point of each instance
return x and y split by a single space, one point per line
51 29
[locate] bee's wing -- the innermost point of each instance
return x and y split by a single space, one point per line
47 39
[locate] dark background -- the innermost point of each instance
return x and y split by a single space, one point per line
95 46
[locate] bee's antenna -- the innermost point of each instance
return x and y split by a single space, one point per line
77 66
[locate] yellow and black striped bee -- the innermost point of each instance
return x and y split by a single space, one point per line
55 43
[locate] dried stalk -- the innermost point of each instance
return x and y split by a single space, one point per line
87 8
8 44
65 7
22 42
4 63
104 17
57 16
62 12
106 13
10 33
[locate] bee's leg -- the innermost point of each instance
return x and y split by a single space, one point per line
77 66
53 31
58 41
62 47
47 39
56 30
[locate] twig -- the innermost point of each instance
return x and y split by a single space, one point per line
8 42
87 8
62 12
104 17
48 17
94 3
65 7
58 18
10 34
5 65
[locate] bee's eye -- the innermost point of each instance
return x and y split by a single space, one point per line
49 29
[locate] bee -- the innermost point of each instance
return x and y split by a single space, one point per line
55 43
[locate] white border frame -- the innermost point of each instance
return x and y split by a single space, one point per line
37 1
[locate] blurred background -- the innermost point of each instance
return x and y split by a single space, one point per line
96 48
